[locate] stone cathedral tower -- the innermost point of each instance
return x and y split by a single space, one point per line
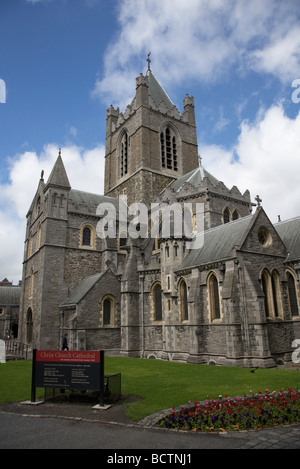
150 145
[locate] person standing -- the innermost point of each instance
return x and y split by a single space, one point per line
65 345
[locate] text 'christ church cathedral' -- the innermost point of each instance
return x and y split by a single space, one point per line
231 299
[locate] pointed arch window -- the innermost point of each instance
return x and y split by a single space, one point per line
29 321
39 234
31 283
292 293
168 149
276 293
214 300
183 300
108 311
265 280
271 288
226 216
30 243
124 154
235 215
86 236
157 302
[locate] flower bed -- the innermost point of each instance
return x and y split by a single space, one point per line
239 413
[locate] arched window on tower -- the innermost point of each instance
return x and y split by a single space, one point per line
168 149
29 324
86 236
124 155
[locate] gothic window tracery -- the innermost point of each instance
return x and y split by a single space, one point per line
271 288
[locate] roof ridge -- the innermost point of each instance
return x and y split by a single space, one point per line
286 221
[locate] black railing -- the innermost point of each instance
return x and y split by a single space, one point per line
18 349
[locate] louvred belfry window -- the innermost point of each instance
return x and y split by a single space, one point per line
124 154
168 149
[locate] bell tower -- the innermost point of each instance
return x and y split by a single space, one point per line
149 145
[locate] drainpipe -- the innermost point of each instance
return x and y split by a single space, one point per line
142 276
62 324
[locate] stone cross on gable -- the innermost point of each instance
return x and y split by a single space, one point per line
148 60
258 200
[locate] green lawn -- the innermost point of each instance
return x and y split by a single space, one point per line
160 385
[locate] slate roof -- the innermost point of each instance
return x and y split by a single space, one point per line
194 178
289 232
82 289
10 296
58 176
218 243
80 201
87 198
156 91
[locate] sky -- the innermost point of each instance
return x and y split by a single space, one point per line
64 62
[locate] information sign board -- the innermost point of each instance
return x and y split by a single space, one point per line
81 370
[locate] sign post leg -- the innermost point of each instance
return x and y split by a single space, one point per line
33 389
101 378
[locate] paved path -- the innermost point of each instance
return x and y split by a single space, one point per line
46 427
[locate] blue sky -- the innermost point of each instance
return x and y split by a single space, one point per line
63 62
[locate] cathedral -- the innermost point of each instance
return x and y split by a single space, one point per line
224 290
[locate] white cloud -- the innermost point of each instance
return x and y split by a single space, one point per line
200 40
268 164
281 57
85 169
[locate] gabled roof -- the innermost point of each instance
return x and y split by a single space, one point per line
82 289
289 232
